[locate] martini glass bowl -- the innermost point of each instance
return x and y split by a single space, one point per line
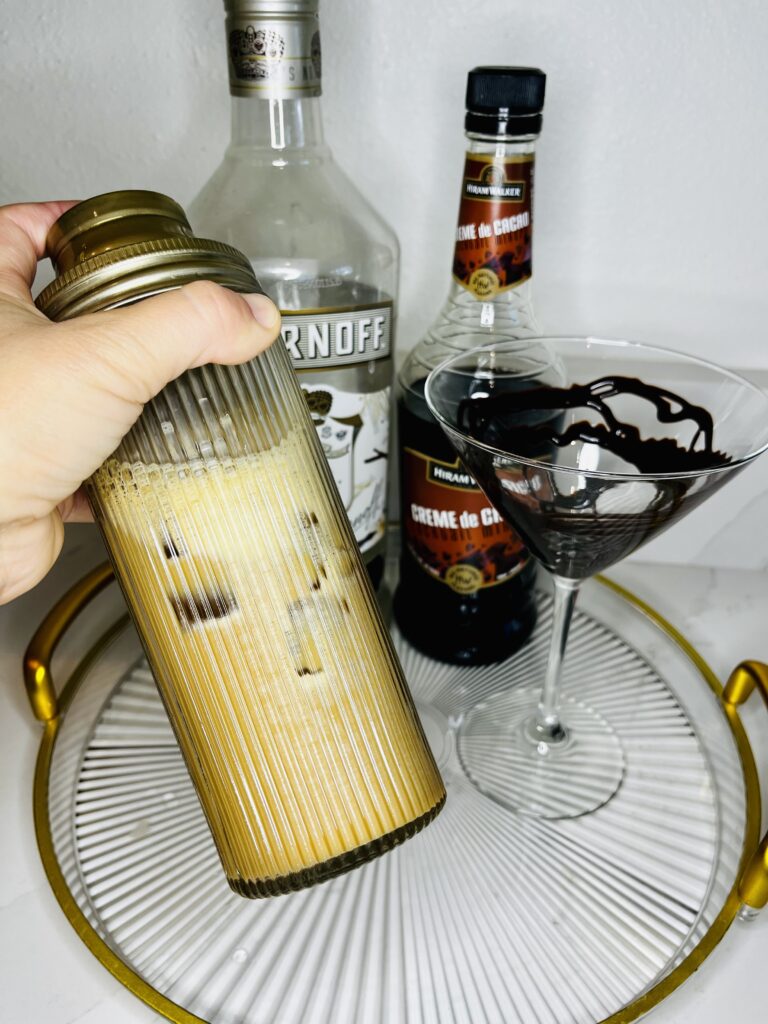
588 448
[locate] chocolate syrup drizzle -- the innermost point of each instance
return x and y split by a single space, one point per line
501 420
580 530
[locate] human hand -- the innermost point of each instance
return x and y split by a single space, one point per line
69 392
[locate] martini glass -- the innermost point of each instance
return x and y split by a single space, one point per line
588 448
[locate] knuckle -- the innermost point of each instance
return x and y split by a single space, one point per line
212 303
9 212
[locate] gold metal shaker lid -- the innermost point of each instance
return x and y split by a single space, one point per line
111 221
123 246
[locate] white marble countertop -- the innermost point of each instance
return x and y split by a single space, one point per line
47 976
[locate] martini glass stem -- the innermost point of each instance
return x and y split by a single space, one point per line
549 728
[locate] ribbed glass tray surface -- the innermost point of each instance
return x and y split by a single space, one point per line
487 916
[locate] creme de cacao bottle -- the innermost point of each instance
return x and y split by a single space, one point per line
466 581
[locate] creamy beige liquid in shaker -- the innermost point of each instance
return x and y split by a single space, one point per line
245 583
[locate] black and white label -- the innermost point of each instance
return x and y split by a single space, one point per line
354 431
352 424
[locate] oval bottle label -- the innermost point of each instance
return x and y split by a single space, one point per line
493 237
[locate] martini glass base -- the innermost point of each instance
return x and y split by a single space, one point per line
504 756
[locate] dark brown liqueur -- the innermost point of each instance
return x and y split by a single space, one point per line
577 525
477 628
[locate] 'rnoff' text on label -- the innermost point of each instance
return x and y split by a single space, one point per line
335 339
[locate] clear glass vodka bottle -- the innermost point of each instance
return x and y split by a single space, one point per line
316 245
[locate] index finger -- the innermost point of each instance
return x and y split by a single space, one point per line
23 230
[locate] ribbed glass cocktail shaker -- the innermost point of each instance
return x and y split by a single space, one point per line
244 581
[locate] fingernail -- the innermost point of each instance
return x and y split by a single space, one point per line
263 309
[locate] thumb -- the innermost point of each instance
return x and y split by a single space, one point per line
136 350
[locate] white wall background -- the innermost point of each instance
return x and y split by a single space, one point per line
651 212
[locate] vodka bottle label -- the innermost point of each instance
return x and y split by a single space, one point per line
341 336
353 425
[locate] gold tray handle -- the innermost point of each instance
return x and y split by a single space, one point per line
37 659
753 887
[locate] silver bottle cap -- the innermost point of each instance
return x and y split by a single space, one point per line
272 7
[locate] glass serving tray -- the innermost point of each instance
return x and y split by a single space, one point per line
487 916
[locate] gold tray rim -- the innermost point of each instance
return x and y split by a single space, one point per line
177 1014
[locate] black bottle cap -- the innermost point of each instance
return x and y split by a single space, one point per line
505 101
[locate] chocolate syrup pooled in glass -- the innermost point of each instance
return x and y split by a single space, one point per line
577 524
